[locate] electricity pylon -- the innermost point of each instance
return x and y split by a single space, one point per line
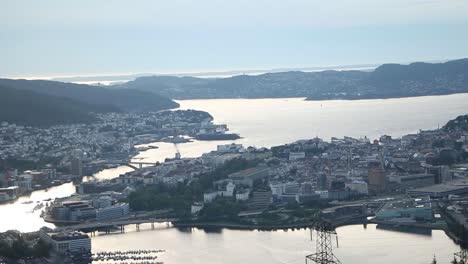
324 249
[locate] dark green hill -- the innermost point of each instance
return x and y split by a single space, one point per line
124 100
25 107
458 124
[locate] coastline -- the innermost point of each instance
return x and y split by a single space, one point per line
236 226
251 227
239 226
378 97
309 98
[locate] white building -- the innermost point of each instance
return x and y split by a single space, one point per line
196 207
230 148
296 155
217 160
11 192
323 194
24 182
229 192
243 196
67 241
51 173
116 211
102 202
358 186
209 197
276 189
291 188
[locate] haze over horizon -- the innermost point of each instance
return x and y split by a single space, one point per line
56 38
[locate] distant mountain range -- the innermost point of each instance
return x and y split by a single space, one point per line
120 78
37 102
386 81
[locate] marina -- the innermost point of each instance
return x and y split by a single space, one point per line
122 257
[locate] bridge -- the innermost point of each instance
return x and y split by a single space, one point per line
131 164
107 227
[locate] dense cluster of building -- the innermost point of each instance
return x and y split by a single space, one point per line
419 164
114 133
71 151
14 184
345 167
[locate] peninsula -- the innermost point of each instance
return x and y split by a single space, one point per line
386 81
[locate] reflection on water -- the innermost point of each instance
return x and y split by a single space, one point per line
357 245
406 229
268 122
20 216
108 174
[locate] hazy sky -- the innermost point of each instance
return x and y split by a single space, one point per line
82 37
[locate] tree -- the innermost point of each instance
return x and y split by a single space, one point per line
221 208
41 249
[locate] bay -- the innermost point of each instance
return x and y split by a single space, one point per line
265 123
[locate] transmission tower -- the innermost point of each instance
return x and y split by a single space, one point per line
462 256
324 249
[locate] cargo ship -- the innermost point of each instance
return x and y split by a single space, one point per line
210 131
217 136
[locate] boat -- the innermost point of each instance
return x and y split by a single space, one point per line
37 207
56 182
218 136
143 148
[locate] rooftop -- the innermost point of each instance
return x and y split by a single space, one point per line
409 203
443 187
62 236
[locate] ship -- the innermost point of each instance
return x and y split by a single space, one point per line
217 136
215 132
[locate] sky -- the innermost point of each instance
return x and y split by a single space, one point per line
100 37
